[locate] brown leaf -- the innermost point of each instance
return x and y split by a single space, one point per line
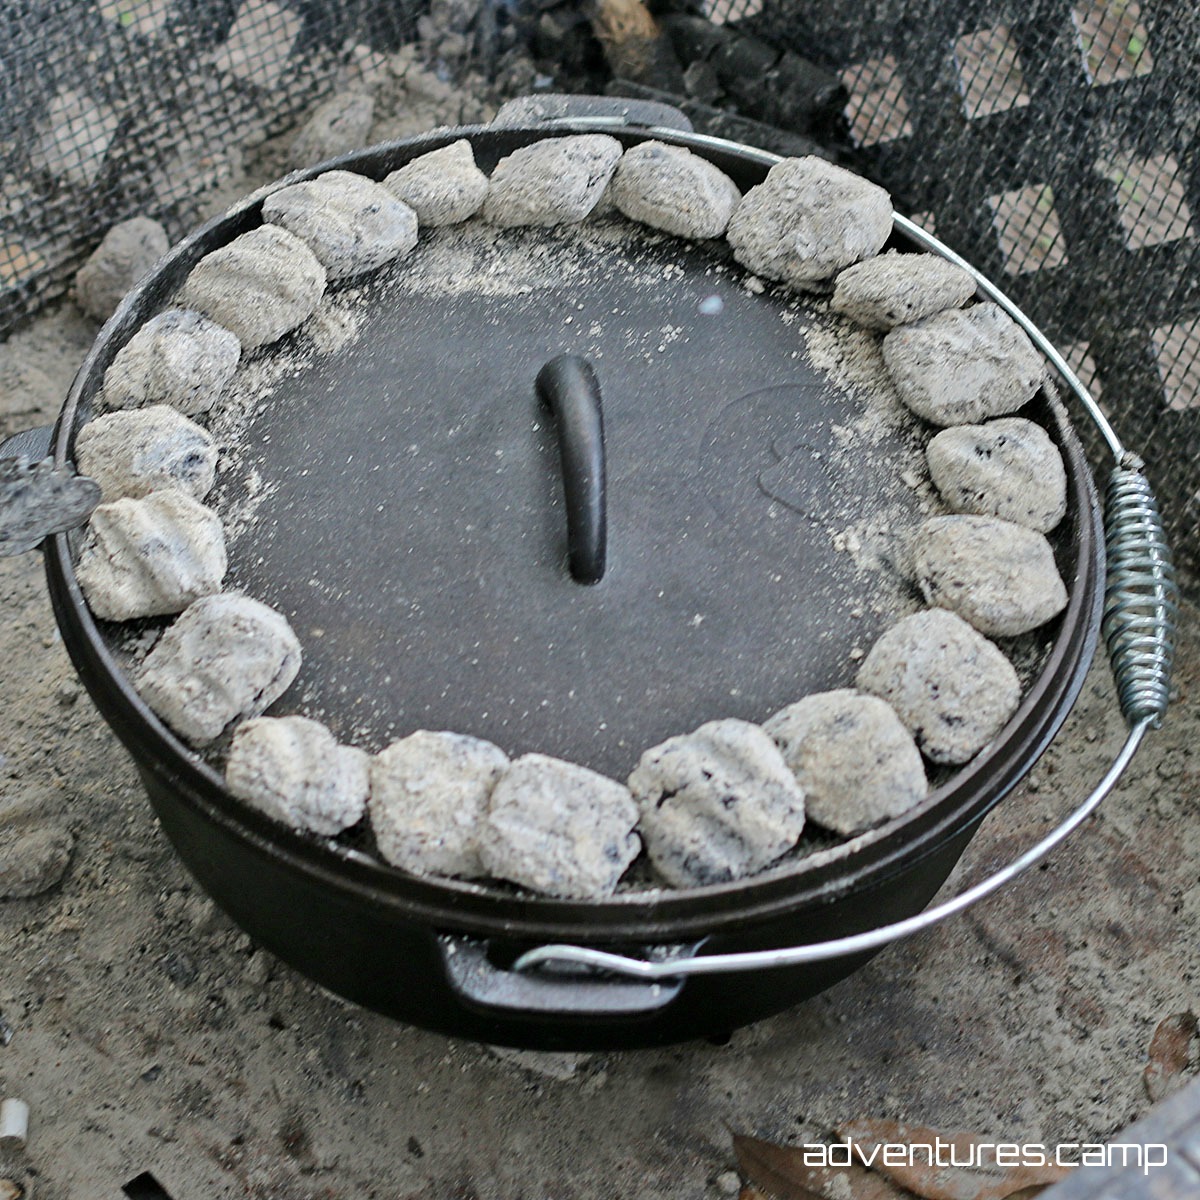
1168 1053
750 1193
782 1173
934 1173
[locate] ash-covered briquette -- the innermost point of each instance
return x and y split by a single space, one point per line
352 224
341 124
33 858
964 365
556 181
1008 468
294 770
122 260
261 285
717 804
429 799
131 454
1000 577
953 689
179 358
559 829
226 657
151 557
672 189
443 187
808 220
896 289
854 760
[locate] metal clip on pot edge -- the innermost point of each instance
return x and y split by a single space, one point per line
1140 608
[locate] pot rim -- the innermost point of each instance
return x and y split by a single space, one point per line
463 906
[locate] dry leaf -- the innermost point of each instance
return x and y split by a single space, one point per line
750 1193
1168 1053
981 1179
782 1172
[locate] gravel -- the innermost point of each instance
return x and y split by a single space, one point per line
717 804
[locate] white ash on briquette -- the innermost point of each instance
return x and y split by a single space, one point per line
854 760
350 223
1000 577
226 657
717 804
807 221
449 804
429 799
179 358
964 365
294 770
442 187
151 557
131 454
896 289
672 189
552 182
123 258
953 689
261 285
559 829
1007 468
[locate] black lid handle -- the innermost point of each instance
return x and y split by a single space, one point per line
568 386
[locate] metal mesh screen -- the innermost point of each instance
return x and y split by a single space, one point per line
1053 143
116 108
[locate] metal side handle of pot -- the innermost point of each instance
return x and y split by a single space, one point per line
36 497
1140 611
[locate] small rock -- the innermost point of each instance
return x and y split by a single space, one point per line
559 1065
964 365
855 762
717 804
261 285
122 260
429 798
150 557
896 289
442 187
351 223
952 688
227 656
1008 468
341 124
1000 577
293 769
807 220
670 188
728 1183
552 182
131 454
558 828
179 358
33 860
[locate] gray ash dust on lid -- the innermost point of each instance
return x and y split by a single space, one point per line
394 488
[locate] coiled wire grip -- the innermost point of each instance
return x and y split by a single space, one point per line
1140 609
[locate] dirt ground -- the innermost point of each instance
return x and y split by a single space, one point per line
148 1034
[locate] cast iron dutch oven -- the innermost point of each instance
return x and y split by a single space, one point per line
440 954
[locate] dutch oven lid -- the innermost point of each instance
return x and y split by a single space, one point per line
394 487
